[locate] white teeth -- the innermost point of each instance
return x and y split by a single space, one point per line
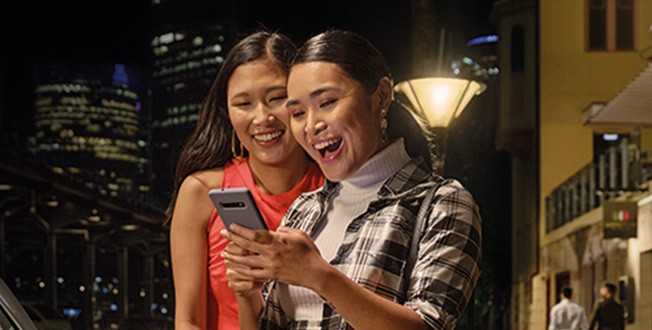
268 136
325 144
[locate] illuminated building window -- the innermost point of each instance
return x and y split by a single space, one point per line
610 25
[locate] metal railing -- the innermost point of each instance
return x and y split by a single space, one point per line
618 170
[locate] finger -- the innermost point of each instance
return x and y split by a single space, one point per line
235 268
243 242
251 261
285 230
248 268
257 274
238 275
242 286
233 248
260 236
290 232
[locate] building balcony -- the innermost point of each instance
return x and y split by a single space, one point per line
617 170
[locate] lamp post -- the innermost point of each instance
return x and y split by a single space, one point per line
438 101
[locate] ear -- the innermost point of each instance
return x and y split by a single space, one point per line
384 93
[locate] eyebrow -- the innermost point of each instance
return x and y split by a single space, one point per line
275 88
313 95
267 91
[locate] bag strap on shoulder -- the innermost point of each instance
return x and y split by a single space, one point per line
419 224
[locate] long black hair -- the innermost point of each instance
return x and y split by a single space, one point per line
361 61
209 145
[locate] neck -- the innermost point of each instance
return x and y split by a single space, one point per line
379 167
279 178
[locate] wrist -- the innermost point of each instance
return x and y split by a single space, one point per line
250 296
324 279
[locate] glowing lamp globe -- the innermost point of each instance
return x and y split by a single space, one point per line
439 100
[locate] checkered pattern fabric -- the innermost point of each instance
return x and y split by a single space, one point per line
377 243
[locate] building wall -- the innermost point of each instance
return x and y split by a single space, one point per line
570 80
561 79
644 298
516 134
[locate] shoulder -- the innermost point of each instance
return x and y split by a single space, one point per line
454 202
452 190
206 178
193 208
199 183
598 304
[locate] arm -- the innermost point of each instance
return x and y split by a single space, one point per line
247 290
584 325
361 308
250 308
189 253
290 256
449 258
596 315
621 319
551 325
443 278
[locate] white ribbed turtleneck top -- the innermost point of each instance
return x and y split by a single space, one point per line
350 200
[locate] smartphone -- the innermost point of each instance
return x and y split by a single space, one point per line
236 205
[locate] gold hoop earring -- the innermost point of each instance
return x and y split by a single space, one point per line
237 157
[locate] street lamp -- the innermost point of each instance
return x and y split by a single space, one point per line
438 101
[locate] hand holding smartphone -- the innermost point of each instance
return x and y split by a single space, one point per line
236 205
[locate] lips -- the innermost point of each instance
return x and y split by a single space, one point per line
329 149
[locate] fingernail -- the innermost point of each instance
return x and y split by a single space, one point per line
232 227
224 233
224 254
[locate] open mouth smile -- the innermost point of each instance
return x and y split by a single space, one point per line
329 149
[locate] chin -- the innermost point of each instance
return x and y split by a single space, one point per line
334 175
270 159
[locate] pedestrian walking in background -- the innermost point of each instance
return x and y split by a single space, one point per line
567 315
608 314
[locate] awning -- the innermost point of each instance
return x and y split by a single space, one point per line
632 106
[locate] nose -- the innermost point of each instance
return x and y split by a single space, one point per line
262 114
314 124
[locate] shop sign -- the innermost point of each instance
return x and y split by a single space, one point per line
620 219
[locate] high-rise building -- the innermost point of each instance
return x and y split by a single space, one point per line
87 127
188 45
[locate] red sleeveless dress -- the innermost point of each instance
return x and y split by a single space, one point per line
222 304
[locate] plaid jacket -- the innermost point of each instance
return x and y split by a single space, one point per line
376 245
